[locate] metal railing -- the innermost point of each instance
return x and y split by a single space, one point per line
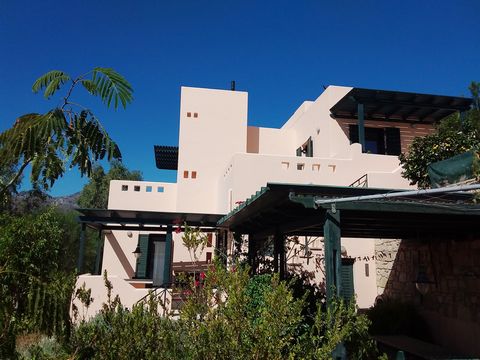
360 182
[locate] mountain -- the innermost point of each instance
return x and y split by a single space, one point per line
26 201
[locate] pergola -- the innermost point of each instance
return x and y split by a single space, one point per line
138 220
396 106
284 209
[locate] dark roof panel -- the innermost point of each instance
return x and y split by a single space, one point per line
398 106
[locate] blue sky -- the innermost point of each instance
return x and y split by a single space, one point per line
281 52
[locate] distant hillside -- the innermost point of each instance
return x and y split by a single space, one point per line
34 199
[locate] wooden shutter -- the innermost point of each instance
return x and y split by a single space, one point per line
353 133
347 289
393 142
142 262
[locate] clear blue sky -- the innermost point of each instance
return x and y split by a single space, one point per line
281 52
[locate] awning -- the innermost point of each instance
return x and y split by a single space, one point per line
398 106
166 157
290 210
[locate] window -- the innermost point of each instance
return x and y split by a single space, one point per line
194 174
148 188
195 115
209 257
367 270
189 114
384 141
160 189
136 188
315 167
124 187
300 166
185 174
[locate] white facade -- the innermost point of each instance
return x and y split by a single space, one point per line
222 161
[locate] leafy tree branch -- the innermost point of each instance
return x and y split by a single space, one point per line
64 136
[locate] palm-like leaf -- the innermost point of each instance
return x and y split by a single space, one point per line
90 86
51 82
111 86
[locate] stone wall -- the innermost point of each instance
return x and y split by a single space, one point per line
452 303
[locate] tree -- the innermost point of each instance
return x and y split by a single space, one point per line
68 135
454 135
7 172
34 293
94 195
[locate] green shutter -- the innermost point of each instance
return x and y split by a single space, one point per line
299 151
143 243
347 289
393 142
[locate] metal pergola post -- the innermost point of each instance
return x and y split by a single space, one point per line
167 270
361 125
333 261
99 255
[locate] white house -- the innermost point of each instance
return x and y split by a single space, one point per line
346 137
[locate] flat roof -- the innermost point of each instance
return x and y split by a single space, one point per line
386 105
109 219
290 209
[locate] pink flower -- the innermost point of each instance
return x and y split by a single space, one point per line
197 283
202 276
178 230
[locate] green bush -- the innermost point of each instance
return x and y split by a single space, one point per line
226 315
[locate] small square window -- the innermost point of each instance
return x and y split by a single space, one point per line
189 114
148 188
185 174
136 188
194 174
300 166
124 187
195 115
160 189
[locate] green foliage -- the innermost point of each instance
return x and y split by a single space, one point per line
51 82
454 135
194 239
44 348
34 294
226 315
67 136
7 172
94 195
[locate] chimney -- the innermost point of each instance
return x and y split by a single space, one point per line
232 85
